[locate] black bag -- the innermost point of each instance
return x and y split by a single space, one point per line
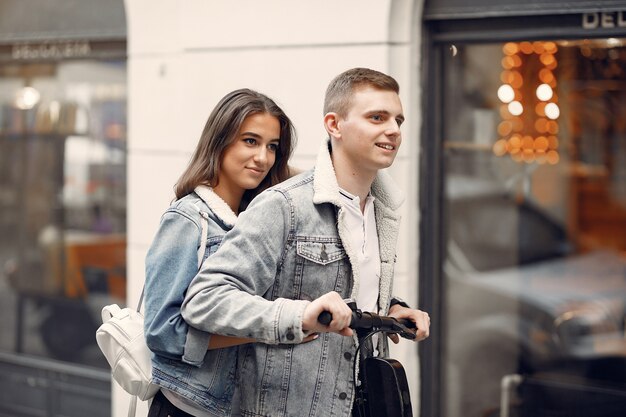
384 390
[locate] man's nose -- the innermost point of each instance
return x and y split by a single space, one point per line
393 128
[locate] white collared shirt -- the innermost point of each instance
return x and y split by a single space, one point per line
364 239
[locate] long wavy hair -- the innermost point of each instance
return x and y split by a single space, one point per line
219 133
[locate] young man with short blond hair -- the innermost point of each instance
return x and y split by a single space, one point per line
303 247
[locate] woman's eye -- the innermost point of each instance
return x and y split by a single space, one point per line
250 141
273 147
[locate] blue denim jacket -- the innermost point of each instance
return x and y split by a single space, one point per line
289 247
179 363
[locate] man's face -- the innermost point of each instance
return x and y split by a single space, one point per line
370 131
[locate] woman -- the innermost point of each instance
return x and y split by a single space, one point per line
244 149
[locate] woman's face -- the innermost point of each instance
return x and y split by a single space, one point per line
248 159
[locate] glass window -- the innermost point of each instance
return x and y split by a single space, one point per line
534 137
62 205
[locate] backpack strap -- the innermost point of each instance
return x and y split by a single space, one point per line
203 239
132 407
204 223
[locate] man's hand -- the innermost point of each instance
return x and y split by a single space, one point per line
334 304
419 317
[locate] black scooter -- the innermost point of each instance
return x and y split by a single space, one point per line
381 386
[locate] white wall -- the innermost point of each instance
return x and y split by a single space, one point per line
183 56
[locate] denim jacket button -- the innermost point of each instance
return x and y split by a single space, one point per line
347 355
290 336
343 396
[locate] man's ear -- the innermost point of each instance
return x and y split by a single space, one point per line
331 124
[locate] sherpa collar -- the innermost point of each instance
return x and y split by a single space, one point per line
326 189
217 205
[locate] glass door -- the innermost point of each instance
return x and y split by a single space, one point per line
532 156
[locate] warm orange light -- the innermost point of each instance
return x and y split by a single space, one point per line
517 137
538 48
547 59
499 148
553 142
517 80
539 108
541 144
553 127
506 77
541 125
545 75
550 47
514 142
518 124
505 128
526 47
528 143
552 157
510 48
507 62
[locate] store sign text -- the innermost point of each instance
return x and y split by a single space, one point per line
51 50
604 20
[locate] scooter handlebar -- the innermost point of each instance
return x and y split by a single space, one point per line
371 321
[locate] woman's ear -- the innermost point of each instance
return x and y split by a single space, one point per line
331 124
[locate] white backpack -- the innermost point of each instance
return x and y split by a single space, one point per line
121 340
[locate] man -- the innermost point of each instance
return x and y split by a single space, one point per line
304 246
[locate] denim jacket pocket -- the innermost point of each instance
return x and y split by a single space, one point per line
320 268
322 253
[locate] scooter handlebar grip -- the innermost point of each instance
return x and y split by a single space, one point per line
325 318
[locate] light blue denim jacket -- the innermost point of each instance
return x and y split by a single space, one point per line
179 363
289 247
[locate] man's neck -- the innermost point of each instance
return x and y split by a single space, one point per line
353 180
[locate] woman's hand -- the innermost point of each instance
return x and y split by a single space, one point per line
217 341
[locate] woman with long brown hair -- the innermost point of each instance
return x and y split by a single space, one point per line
244 148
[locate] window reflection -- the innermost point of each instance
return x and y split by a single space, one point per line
535 268
62 205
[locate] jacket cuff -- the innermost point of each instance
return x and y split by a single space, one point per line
289 324
196 346
397 300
